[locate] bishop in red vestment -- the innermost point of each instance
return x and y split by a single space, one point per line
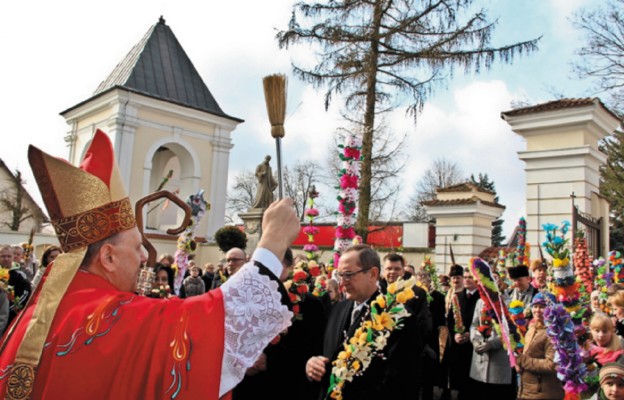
86 334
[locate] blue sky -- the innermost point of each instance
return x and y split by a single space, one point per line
56 54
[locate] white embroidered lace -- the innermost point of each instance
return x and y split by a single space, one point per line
254 315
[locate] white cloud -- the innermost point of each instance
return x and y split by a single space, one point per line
471 133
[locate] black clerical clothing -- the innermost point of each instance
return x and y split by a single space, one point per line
285 376
460 355
432 371
392 377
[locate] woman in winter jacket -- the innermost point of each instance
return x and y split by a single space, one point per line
536 366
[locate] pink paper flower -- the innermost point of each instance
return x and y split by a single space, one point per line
310 230
345 233
352 152
348 181
312 212
310 248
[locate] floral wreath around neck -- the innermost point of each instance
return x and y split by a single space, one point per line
385 315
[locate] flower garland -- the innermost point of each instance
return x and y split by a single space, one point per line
522 248
603 281
570 366
186 244
564 320
516 311
320 286
583 267
485 321
162 292
428 266
459 323
4 284
310 230
564 284
299 282
616 264
348 178
386 314
502 321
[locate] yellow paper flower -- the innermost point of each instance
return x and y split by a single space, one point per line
371 337
336 395
381 300
405 295
382 321
560 263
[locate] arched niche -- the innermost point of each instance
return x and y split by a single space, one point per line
179 161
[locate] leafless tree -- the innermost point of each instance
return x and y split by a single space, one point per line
240 197
298 181
442 173
602 54
12 200
380 53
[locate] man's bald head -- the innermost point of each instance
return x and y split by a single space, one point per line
235 259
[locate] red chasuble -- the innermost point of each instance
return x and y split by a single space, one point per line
105 343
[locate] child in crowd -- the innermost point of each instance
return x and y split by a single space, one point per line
193 284
607 346
616 303
611 382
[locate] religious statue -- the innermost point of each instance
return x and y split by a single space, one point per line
266 184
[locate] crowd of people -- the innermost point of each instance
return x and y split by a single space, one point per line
281 325
442 352
439 352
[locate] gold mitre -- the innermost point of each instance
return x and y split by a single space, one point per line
85 204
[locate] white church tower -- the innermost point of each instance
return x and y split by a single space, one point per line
162 119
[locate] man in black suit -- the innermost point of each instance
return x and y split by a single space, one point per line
460 349
280 368
393 269
390 375
432 372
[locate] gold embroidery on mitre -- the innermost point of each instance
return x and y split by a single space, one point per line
20 383
94 225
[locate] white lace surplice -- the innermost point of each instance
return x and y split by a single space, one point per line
254 315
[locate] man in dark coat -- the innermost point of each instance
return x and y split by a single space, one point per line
522 289
459 318
280 370
432 372
390 375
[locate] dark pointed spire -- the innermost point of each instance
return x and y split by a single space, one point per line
157 66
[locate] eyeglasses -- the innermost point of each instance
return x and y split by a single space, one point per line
348 275
234 259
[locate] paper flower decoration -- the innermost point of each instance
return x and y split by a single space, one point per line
386 314
186 243
348 179
310 230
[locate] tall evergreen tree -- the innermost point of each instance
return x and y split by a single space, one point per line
612 186
484 182
381 53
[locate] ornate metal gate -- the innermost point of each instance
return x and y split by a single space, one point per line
591 227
